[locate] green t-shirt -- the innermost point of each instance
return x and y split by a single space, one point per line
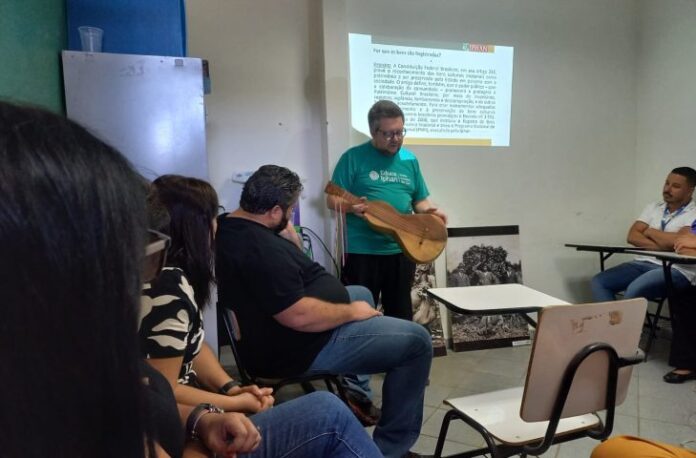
365 172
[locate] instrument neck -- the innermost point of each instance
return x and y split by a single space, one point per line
343 194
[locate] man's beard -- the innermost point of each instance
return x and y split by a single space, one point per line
387 152
282 225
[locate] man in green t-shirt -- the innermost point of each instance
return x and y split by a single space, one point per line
381 169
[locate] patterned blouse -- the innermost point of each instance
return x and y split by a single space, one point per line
171 323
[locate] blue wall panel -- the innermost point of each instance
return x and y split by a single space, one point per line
152 27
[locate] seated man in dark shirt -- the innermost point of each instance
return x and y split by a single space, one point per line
296 318
682 354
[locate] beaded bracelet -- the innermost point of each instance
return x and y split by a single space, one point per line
195 416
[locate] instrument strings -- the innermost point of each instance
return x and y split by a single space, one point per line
395 221
388 217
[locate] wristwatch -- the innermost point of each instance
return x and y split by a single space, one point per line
228 386
196 414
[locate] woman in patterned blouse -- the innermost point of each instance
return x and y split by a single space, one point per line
171 316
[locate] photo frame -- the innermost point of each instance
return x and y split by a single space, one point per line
426 310
484 256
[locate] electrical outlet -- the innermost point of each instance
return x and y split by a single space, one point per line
241 177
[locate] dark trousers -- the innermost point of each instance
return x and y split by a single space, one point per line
682 307
389 276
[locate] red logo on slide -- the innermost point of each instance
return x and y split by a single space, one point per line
475 47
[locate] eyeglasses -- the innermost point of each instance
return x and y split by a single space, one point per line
394 133
155 254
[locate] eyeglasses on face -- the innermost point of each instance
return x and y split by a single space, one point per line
155 254
392 134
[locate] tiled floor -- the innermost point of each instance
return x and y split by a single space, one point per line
653 409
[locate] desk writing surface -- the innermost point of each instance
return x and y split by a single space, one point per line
667 255
493 299
602 248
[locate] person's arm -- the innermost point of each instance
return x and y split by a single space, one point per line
339 204
684 230
212 376
685 243
664 240
343 176
314 315
244 402
189 395
208 370
636 237
425 206
194 449
223 434
159 451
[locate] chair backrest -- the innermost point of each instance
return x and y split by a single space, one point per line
231 320
231 325
563 332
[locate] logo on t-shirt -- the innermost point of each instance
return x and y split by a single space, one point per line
387 176
374 176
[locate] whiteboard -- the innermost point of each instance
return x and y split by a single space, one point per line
150 108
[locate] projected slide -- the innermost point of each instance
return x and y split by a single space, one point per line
454 95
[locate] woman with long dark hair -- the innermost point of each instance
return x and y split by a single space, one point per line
72 245
171 329
72 232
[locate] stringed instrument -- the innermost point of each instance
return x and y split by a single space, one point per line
422 236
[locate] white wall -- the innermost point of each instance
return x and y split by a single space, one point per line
266 102
568 175
585 75
666 94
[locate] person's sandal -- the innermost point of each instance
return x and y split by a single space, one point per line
674 377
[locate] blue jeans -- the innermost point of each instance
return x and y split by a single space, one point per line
359 384
315 425
637 278
403 350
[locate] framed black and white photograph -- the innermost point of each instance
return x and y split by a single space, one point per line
426 311
477 256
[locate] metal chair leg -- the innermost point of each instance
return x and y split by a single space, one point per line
443 433
652 331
